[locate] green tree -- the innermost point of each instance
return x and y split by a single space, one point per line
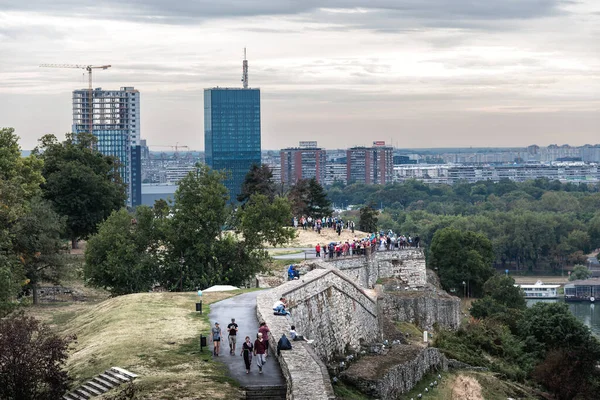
38 244
462 256
580 272
200 212
125 255
259 180
368 219
82 184
502 300
263 221
308 198
318 203
20 180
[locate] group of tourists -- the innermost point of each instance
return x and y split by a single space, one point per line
317 224
260 347
374 242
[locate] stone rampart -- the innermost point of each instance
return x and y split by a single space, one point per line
305 374
408 265
398 372
423 309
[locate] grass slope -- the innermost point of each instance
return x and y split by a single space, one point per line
155 335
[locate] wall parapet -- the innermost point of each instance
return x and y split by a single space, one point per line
306 375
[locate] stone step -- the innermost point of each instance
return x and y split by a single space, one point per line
107 384
116 375
124 372
90 389
266 392
72 396
101 383
110 379
96 386
81 392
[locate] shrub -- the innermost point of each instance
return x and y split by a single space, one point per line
31 360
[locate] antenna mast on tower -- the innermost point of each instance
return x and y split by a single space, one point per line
245 71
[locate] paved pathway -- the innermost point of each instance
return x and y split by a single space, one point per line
243 309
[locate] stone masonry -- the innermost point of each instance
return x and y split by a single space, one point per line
388 377
408 265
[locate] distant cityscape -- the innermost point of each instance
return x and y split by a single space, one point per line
232 142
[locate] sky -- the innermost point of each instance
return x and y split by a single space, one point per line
414 73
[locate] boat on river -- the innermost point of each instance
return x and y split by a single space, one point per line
540 291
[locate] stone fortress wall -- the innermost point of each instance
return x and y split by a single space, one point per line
408 265
333 305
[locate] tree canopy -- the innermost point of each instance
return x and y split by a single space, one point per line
197 242
83 185
259 180
368 219
462 256
308 198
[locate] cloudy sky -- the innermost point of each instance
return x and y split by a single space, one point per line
419 73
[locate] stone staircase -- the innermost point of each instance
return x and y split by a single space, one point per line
265 392
102 383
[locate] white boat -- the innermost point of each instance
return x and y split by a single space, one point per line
540 291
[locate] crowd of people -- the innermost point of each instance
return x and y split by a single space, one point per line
375 242
318 224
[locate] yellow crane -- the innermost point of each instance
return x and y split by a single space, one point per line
89 69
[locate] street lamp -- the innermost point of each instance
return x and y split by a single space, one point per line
464 289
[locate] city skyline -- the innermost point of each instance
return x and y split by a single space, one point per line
416 74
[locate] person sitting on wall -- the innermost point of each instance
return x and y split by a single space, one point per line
297 338
293 273
280 306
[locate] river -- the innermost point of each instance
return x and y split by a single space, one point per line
586 312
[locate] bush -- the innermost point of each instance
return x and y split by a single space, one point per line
31 360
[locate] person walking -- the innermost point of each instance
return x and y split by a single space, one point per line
247 349
215 334
232 328
260 349
264 330
318 250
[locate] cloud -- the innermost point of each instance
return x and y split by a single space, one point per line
193 11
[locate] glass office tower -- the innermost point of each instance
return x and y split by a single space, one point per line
232 133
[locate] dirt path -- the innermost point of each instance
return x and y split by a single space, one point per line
466 388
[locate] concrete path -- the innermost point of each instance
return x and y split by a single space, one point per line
243 309
304 253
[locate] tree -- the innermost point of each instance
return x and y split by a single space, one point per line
556 337
20 180
308 198
462 256
262 221
32 360
318 203
259 180
82 184
199 214
125 255
368 219
580 272
502 300
38 244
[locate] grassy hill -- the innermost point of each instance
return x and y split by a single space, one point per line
155 335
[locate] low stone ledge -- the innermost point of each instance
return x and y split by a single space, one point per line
305 374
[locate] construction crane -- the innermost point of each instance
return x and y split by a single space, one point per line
89 69
176 147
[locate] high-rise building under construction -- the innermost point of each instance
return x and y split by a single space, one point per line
116 124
